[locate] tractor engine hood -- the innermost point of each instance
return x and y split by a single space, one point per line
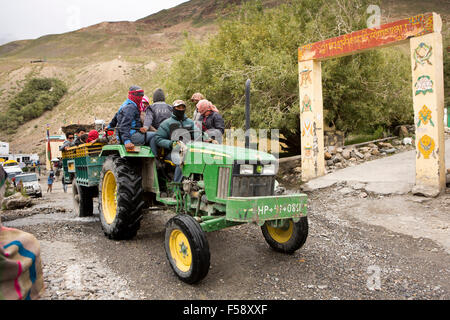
201 153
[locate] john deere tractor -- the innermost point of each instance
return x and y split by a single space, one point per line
223 186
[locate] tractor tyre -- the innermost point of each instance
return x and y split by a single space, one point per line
82 200
287 239
120 200
187 248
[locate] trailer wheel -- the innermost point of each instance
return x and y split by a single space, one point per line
288 239
82 200
120 198
187 248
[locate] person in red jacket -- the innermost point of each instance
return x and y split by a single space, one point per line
92 136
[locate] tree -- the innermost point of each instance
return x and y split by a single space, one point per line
262 45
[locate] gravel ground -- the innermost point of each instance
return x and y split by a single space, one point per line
353 252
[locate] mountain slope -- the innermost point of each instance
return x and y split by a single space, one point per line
100 62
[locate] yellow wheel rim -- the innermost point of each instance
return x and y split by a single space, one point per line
180 250
281 235
109 197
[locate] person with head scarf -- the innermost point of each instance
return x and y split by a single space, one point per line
143 107
210 120
196 97
129 120
144 104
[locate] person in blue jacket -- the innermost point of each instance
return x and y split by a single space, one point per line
129 120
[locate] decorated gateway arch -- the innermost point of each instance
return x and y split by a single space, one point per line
423 32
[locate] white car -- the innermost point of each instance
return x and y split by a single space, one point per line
12 171
30 184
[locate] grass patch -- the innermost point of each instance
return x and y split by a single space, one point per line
364 137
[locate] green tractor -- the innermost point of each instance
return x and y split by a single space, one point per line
223 186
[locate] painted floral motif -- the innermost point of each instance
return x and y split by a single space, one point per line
306 104
308 151
422 55
305 78
426 146
424 85
307 128
425 116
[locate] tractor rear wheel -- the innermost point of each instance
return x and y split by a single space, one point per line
120 200
286 239
187 248
82 200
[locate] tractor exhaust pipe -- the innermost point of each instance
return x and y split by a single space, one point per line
247 114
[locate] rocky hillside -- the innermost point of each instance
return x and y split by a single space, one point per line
100 62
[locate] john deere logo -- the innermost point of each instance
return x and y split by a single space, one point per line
259 169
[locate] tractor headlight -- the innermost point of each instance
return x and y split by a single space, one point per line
269 170
246 169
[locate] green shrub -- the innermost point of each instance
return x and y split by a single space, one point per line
9 189
37 96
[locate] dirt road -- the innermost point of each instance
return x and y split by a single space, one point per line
360 246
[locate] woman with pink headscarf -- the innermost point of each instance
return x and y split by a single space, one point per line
144 105
210 120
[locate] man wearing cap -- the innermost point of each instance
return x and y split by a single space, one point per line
154 116
129 120
166 137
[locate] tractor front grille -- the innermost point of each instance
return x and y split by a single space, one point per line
252 186
223 184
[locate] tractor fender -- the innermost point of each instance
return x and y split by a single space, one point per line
119 150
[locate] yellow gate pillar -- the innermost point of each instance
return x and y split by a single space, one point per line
428 96
311 119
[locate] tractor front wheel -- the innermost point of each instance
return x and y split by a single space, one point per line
120 200
187 248
287 238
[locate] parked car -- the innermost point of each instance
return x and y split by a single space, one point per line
30 184
12 168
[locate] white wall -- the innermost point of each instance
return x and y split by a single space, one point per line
4 148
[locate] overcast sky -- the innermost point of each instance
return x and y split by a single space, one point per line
30 19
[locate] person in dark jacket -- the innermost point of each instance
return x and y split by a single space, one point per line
157 112
166 139
129 120
154 116
80 132
210 120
